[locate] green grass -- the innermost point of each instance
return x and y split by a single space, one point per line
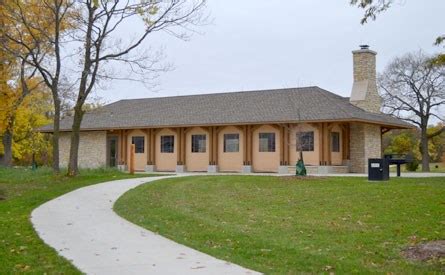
274 225
433 169
21 250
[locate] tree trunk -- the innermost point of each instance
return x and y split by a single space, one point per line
73 169
424 147
7 145
56 134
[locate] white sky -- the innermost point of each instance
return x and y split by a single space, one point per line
262 44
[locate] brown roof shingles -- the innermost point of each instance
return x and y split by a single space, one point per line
282 105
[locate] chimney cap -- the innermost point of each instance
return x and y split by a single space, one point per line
364 47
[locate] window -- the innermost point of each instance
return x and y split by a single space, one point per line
139 144
167 144
305 141
198 143
335 141
231 143
267 142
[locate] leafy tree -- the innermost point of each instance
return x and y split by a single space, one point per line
437 144
27 142
33 32
374 7
414 90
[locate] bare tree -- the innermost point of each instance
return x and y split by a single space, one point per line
98 24
414 90
35 37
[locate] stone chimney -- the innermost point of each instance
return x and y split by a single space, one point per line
364 90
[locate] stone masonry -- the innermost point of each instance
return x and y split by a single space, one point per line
92 149
365 143
364 91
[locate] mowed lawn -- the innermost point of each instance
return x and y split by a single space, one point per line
22 190
287 226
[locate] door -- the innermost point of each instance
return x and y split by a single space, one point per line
112 151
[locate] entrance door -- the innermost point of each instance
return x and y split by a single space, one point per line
112 151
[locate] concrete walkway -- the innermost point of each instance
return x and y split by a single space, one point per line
84 229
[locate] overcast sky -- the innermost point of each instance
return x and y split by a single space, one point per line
263 44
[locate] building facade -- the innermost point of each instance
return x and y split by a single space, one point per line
256 131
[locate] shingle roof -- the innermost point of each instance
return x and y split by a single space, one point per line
282 105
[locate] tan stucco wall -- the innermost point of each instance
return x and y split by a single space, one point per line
140 160
310 158
166 161
265 161
196 162
337 157
365 143
92 149
230 161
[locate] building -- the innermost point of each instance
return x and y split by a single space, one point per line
254 131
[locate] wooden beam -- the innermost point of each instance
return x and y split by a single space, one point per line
321 143
244 144
210 131
152 140
148 149
281 129
184 149
288 139
215 145
125 147
249 144
328 144
385 130
178 146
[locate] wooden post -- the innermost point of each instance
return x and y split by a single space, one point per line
148 150
321 145
125 147
132 152
184 149
210 131
215 145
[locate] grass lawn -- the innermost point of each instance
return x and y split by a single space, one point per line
22 190
434 168
288 226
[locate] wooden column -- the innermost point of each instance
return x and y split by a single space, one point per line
210 131
289 141
245 145
148 149
322 143
132 152
125 147
153 146
328 143
281 131
345 141
249 145
178 144
215 145
184 149
121 146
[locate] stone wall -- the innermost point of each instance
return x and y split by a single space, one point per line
365 143
364 91
92 149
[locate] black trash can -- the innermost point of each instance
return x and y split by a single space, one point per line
378 169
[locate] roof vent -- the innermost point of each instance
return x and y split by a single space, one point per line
364 47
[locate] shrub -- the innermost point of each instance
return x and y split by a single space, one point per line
412 166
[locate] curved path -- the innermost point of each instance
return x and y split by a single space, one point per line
83 228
